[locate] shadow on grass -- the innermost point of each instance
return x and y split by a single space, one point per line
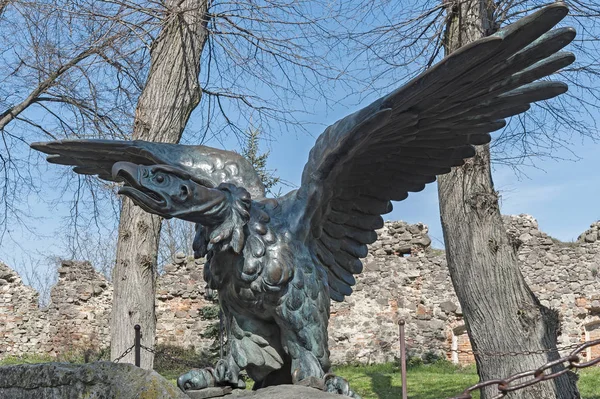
383 387
419 385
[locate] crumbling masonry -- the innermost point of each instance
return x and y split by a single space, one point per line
403 278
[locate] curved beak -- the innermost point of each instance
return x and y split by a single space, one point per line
183 198
148 199
126 171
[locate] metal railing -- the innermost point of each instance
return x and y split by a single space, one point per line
572 361
516 381
137 347
510 384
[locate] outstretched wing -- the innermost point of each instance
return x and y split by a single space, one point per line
401 142
209 166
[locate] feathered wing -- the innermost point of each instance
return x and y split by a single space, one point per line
401 142
209 166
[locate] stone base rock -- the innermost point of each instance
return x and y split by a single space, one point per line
213 392
101 380
287 392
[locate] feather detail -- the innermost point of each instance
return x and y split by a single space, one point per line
402 141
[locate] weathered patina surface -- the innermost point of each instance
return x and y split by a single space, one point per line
93 380
277 262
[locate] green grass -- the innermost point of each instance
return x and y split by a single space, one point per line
383 381
589 383
432 381
435 381
26 359
67 357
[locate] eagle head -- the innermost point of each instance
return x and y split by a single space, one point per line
170 192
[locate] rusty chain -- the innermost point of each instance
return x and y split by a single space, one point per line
151 350
124 354
510 353
572 361
157 353
172 358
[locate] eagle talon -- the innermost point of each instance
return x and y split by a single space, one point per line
208 377
196 379
339 385
224 375
329 383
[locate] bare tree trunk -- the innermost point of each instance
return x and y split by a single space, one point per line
501 312
171 93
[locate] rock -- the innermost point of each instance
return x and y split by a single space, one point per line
547 241
287 392
312 382
459 311
525 237
448 307
414 228
170 268
92 380
179 258
423 312
413 274
402 247
424 241
213 392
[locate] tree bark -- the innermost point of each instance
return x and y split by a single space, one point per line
501 313
171 93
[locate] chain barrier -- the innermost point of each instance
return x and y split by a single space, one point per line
124 354
569 362
511 353
157 353
164 354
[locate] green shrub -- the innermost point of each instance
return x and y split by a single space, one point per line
68 356
210 312
171 361
431 357
412 361
26 359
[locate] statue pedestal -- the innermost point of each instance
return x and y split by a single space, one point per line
213 392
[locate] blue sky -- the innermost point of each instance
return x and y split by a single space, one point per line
561 195
564 196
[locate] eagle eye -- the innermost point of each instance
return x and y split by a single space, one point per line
160 178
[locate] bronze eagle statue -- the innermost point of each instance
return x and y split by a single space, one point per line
277 262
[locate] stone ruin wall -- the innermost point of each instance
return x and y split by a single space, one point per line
78 316
402 278
180 295
22 323
364 329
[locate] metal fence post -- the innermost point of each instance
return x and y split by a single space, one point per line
402 357
138 336
220 333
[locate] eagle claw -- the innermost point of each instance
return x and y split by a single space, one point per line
221 375
329 383
339 385
196 379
